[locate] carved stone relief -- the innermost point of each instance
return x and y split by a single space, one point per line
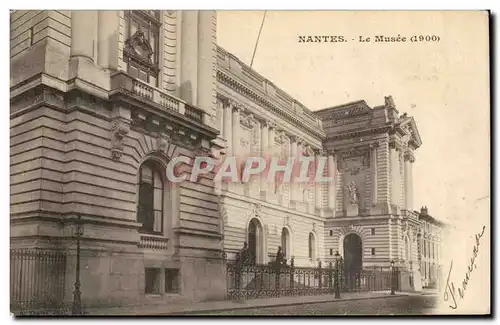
119 128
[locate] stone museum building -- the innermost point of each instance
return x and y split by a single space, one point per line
102 101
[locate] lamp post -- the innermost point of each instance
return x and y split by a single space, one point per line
77 295
337 275
392 277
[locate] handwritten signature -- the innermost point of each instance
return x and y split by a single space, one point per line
450 286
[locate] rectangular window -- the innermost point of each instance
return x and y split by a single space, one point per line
172 281
373 231
373 251
146 211
152 277
331 251
150 203
331 232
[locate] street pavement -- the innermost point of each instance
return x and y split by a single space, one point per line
402 305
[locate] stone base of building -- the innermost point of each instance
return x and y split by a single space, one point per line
117 274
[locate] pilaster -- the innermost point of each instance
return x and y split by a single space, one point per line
228 127
317 185
271 146
409 181
293 182
83 34
332 168
206 64
107 36
394 174
264 138
374 165
236 109
189 57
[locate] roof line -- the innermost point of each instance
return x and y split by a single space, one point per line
361 101
266 79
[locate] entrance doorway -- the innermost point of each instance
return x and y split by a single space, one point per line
353 259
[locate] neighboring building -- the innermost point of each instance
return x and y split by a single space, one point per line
430 249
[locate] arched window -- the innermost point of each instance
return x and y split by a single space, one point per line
285 243
312 247
150 203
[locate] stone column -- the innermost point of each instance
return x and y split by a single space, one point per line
395 176
189 56
271 147
107 38
264 144
408 182
374 173
220 115
83 34
236 129
206 61
317 185
293 183
332 168
228 125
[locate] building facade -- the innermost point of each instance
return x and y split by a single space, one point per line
259 119
430 257
102 101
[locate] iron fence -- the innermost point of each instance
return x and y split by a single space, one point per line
37 281
367 280
277 280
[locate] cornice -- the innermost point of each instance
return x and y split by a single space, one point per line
357 133
266 103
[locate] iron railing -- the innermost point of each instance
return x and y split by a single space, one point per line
246 281
37 281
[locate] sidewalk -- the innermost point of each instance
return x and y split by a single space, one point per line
213 306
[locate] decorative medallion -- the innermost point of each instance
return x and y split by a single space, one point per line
139 46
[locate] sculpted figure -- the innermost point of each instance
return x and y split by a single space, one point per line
280 257
353 193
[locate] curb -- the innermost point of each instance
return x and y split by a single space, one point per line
180 313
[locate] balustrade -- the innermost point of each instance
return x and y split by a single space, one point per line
153 242
125 83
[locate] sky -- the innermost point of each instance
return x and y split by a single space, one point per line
444 85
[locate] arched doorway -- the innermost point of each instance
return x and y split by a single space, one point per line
353 259
255 242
